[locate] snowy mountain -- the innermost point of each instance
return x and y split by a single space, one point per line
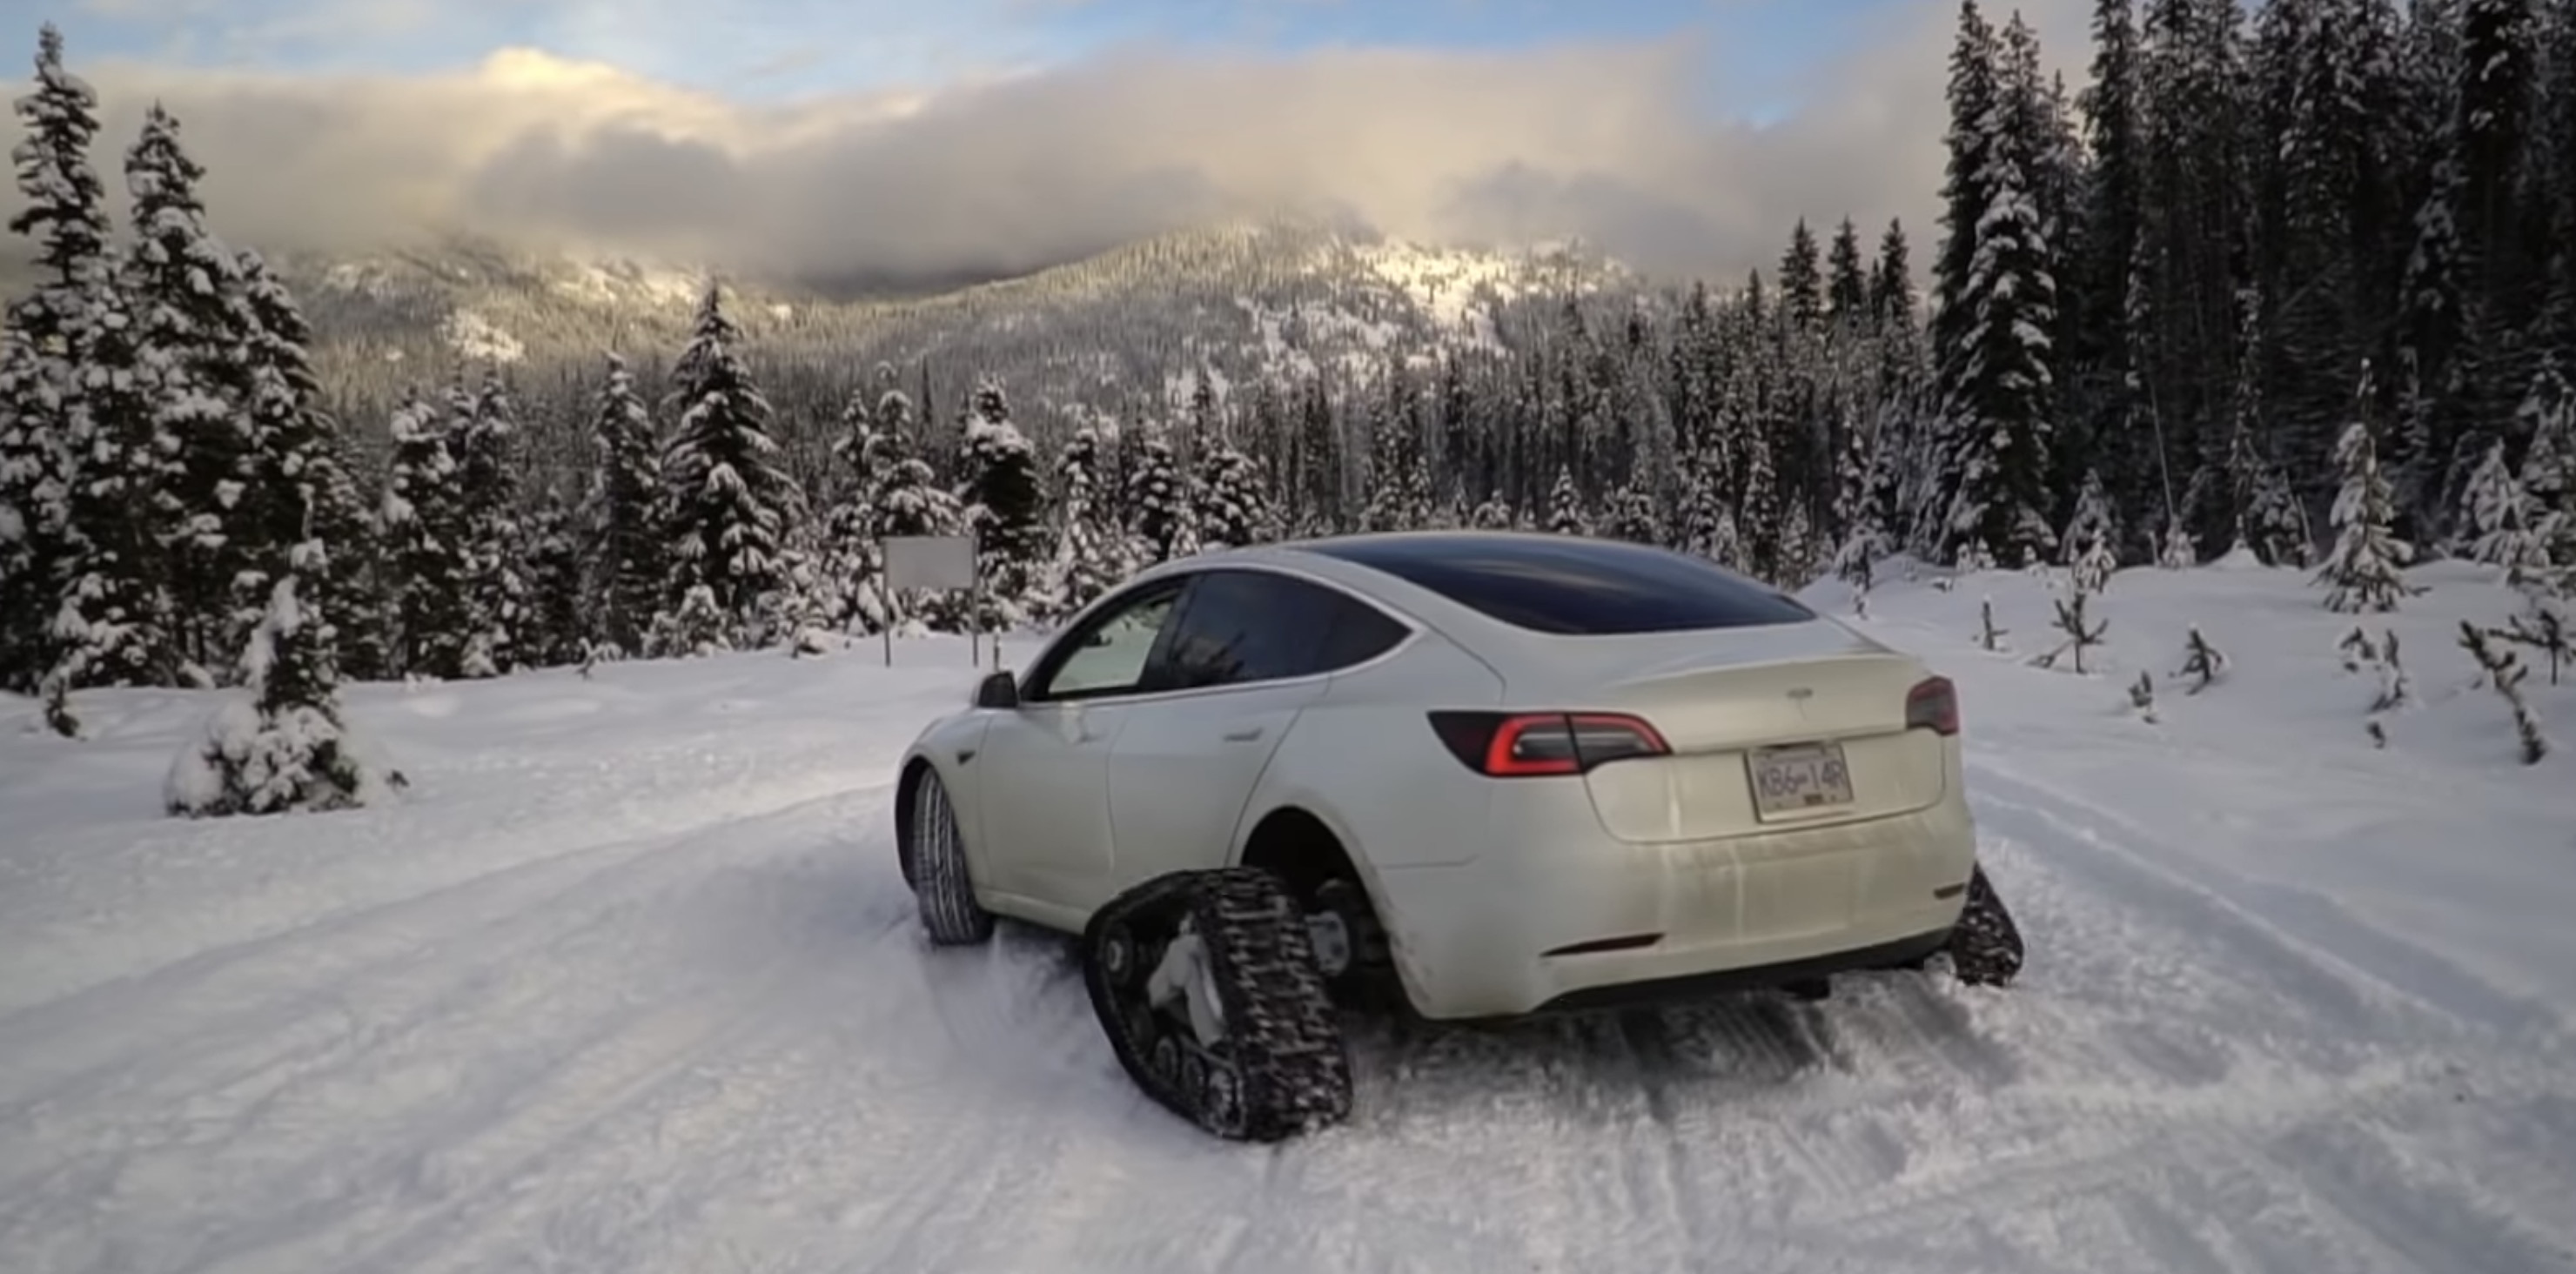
1237 301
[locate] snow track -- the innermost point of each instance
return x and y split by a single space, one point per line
629 984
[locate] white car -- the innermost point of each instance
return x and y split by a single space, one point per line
1483 774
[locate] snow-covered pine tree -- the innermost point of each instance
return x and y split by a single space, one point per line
2094 565
2362 573
2178 549
1565 514
730 503
1233 512
110 625
1399 486
621 519
282 747
2501 524
182 283
1005 506
553 627
1161 512
35 515
420 522
1089 557
483 437
63 210
1493 514
301 486
2093 520
2002 383
1632 517
850 568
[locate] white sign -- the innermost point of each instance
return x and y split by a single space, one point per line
929 561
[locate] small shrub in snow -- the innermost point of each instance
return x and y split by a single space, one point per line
2360 654
1989 636
2177 550
2082 632
2201 662
2543 628
2093 568
2142 696
284 747
2501 669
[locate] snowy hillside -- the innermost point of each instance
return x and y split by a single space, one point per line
1262 298
626 982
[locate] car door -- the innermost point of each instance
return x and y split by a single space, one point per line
1045 793
1244 657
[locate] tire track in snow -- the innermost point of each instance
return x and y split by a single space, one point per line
385 1071
281 979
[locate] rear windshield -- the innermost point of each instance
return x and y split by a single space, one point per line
1575 587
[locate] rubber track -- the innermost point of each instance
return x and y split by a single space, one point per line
1282 1033
1985 947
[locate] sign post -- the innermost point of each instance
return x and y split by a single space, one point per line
944 562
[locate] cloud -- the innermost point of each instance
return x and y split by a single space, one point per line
1020 170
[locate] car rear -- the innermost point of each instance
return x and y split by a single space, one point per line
1688 806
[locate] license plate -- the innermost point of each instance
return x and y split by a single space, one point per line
1800 779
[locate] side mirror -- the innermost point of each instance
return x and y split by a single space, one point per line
998 690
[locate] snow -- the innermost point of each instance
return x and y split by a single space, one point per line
625 981
478 338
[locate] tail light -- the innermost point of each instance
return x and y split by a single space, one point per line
1516 745
1933 704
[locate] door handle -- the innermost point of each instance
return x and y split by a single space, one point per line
1248 734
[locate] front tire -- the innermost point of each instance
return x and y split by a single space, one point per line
941 885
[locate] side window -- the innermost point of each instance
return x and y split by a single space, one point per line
1360 633
1108 655
1245 626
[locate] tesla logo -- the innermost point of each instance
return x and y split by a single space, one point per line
1802 694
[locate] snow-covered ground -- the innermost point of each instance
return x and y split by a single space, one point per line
626 983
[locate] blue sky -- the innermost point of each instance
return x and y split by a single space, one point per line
1761 51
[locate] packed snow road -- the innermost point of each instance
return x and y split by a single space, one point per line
627 983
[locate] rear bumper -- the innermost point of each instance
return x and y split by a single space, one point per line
1556 915
1696 986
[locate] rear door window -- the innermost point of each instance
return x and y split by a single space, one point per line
1238 627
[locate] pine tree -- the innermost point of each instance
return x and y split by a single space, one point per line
1158 501
2363 572
1565 515
1802 284
1399 489
1847 281
621 517
1088 559
482 436
64 212
553 626
110 627
1232 511
285 748
1891 282
730 503
2094 522
422 526
183 284
2500 524
2002 390
1966 190
1005 505
301 487
852 569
